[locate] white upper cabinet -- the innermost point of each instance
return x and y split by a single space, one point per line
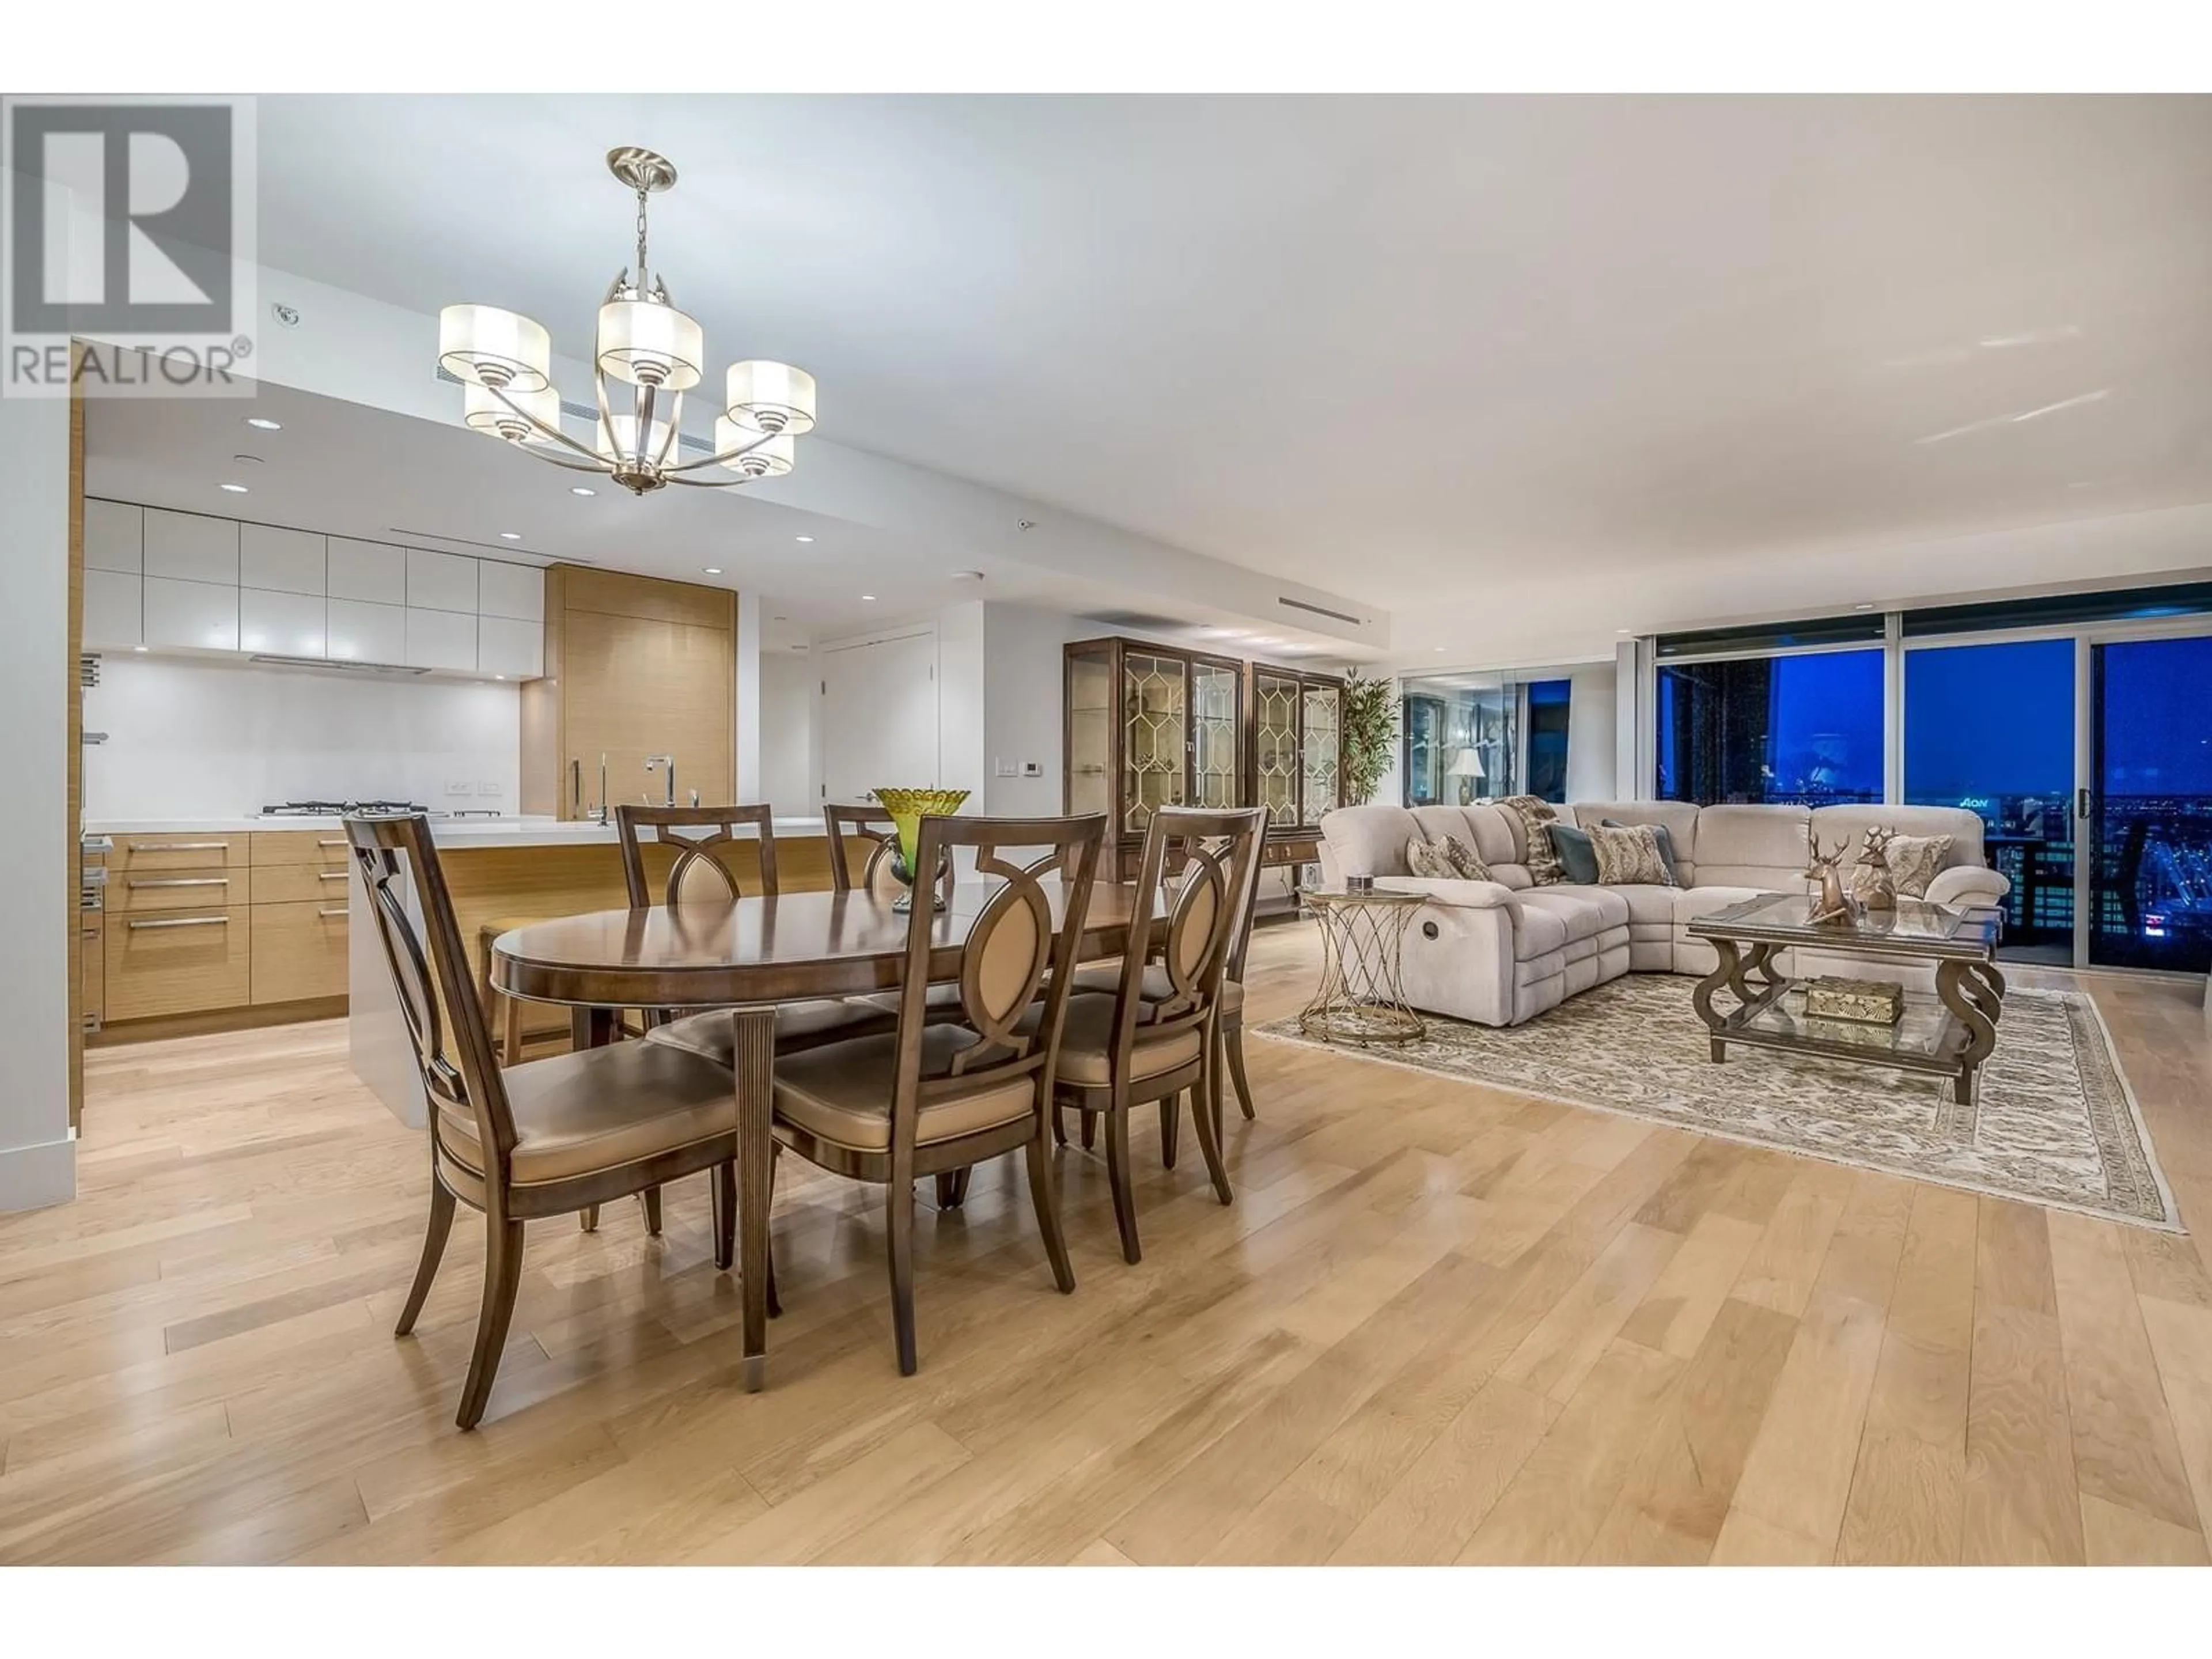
511 649
191 547
280 561
510 590
287 624
362 632
440 639
112 616
114 536
200 615
367 570
441 582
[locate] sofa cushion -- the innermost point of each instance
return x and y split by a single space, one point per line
1762 848
1369 841
1585 911
1702 901
1963 826
1649 905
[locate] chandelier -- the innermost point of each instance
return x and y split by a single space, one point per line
647 356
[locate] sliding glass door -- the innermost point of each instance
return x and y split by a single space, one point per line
2148 804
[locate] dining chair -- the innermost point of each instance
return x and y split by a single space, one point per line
546 1138
936 1099
873 872
1122 1047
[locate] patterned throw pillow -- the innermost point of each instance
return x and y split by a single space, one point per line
1536 818
1630 857
1445 859
1914 860
1665 838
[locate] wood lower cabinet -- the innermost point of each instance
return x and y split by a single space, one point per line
140 889
300 950
181 962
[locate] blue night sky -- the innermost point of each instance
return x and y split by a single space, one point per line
1988 721
2158 718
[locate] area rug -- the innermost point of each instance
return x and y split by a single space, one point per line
2057 1123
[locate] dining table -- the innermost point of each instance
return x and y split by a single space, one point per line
748 955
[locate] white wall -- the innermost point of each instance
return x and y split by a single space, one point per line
961 703
191 738
38 1159
1024 682
790 774
1592 716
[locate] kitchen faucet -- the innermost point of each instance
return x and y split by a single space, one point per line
654 763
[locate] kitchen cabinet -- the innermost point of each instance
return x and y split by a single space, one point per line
359 632
191 547
298 950
115 538
367 571
440 639
633 666
180 961
199 615
514 649
114 612
287 624
441 582
281 560
515 590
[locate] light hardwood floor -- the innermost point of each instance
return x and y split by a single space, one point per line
1441 1323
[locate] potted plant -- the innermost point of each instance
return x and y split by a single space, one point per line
1370 732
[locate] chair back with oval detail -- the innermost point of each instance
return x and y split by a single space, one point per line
1015 944
1214 853
432 978
871 826
709 851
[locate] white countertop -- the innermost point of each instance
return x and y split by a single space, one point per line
517 830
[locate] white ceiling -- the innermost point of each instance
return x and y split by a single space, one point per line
1418 347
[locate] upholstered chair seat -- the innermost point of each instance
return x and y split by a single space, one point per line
1105 978
843 1093
1086 1042
599 1108
799 1025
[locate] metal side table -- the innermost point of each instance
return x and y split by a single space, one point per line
1361 1000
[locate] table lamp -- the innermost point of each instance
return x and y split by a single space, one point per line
1467 767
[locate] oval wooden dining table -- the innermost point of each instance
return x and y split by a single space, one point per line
748 955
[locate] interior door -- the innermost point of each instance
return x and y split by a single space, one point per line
2148 807
879 716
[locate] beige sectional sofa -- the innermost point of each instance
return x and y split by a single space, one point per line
1498 952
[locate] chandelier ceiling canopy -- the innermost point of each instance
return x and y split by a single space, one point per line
647 356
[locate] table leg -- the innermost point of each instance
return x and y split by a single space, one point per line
754 1061
1974 993
591 1027
1727 973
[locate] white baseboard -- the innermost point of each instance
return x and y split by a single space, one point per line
33 1178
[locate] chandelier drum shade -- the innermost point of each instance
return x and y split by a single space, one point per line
647 355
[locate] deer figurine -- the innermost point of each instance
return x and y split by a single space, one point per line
1877 887
1833 904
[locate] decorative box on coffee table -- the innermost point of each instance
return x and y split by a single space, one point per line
1869 1001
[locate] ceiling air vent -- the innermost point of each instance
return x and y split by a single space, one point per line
1320 611
338 663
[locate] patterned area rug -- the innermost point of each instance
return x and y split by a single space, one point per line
2056 1124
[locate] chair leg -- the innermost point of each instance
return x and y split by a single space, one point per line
502 1277
1090 1130
434 1251
722 1183
1047 1206
1117 1176
1234 1042
898 1217
1209 1144
1170 1120
952 1189
588 1218
650 1198
1059 1126
1216 1064
774 1302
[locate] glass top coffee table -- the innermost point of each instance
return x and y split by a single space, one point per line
1951 1036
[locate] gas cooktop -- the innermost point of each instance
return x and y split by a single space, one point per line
338 809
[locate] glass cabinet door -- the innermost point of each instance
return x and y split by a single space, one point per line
1323 756
1089 729
1275 745
1155 736
1215 718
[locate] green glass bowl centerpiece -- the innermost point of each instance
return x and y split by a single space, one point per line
907 808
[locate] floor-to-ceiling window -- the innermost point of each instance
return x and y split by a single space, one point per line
2149 833
1549 706
1804 727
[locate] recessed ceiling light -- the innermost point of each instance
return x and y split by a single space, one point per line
248 460
868 596
1441 647
1861 607
582 489
232 488
967 576
805 538
263 423
499 677
137 648
710 570
510 535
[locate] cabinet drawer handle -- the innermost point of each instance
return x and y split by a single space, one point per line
181 847
183 921
340 914
179 881
340 842
332 875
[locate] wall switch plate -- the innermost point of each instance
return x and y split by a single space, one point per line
489 789
457 788
1006 769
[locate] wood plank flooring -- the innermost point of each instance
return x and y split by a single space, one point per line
1441 1323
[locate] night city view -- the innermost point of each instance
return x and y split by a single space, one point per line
1989 727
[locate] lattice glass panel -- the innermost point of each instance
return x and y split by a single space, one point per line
1276 742
1089 737
1155 738
1213 736
1323 754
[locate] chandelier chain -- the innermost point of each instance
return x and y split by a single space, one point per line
641 283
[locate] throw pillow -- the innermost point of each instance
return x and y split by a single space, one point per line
1666 841
1469 863
1914 860
1630 857
1445 859
1537 818
1576 857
